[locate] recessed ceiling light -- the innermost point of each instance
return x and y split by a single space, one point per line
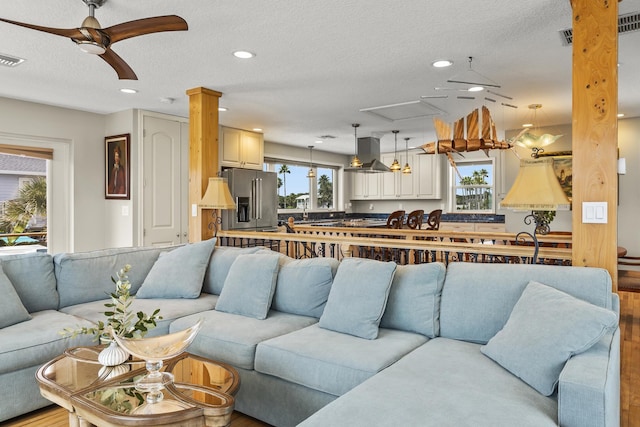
243 54
319 141
527 125
475 89
620 114
128 90
442 63
257 129
223 109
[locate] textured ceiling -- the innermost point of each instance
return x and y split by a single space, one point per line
318 63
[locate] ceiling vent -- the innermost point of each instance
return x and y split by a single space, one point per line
627 23
404 110
10 61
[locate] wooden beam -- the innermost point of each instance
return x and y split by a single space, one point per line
203 156
595 130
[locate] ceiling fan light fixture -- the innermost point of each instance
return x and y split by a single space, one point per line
91 47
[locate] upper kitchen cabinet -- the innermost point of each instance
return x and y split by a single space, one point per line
397 185
241 148
424 182
366 186
428 182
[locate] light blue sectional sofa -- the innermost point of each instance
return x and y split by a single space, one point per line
319 342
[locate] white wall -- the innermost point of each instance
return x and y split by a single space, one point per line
119 214
629 186
85 135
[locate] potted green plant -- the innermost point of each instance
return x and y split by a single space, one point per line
120 319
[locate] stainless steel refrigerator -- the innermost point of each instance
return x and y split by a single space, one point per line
256 196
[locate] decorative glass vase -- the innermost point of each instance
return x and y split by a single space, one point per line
153 351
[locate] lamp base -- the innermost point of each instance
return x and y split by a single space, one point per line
542 220
216 222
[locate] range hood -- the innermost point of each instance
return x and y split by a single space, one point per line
369 153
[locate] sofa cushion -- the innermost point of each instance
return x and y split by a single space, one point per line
86 276
248 289
219 266
170 310
303 285
178 273
24 271
414 299
477 301
11 309
358 297
545 329
330 361
232 339
38 340
442 383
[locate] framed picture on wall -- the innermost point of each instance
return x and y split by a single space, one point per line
117 168
562 165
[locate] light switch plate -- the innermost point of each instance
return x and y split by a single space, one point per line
194 210
594 212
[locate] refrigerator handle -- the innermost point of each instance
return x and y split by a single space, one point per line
254 214
260 199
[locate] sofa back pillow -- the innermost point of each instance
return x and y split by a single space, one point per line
219 266
86 276
303 285
358 297
477 299
546 328
178 273
11 309
414 299
34 280
250 285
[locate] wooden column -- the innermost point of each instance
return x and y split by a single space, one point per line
203 156
595 130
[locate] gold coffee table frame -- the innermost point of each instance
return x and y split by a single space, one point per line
103 397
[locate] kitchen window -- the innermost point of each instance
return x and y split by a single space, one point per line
297 192
473 188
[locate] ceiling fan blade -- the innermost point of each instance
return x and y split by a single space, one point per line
71 32
122 68
144 26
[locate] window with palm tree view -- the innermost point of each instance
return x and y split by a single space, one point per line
297 191
473 187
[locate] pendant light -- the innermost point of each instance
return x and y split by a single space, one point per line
355 161
312 173
395 166
406 169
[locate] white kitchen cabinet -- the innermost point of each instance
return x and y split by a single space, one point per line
241 148
396 185
428 183
366 186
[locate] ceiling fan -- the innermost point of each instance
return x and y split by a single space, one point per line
92 38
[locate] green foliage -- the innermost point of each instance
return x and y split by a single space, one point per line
31 200
474 198
120 319
325 192
284 170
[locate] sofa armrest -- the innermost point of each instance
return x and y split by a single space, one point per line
589 386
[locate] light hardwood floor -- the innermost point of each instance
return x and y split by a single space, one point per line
630 378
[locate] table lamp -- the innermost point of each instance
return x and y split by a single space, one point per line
537 188
217 197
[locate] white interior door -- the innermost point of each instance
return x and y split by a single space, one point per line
165 154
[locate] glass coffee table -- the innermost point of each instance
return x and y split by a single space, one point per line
94 395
